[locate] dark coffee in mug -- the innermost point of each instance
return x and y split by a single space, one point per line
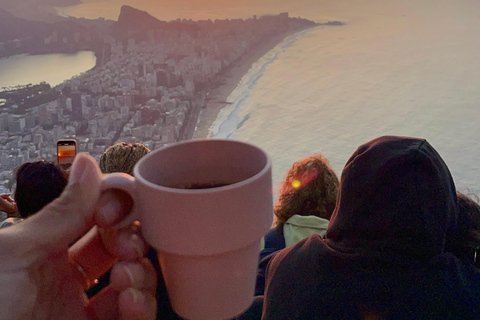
206 185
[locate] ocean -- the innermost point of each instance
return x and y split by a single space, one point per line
396 68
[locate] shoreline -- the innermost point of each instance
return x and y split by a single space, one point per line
225 82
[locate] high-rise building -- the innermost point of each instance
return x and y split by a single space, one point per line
142 70
163 79
3 122
30 120
77 106
62 101
14 126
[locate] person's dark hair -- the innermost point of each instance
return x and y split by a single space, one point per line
310 188
122 157
468 237
38 183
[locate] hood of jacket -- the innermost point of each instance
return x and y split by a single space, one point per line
396 196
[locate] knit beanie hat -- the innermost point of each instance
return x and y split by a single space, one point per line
122 157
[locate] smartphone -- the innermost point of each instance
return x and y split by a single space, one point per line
66 151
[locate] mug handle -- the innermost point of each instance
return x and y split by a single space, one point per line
125 183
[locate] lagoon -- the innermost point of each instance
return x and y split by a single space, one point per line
52 68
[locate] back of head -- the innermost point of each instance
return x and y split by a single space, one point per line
38 183
382 254
467 239
396 196
310 188
122 157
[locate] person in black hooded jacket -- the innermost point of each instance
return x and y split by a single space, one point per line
385 254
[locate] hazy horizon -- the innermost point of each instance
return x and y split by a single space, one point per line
201 10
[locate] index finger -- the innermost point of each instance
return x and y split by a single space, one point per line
6 196
114 205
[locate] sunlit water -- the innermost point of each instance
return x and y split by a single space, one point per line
397 67
414 72
51 68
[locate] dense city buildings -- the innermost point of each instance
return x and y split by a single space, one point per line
151 81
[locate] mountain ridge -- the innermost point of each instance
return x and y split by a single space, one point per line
14 27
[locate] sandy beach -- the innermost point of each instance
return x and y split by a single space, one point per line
227 80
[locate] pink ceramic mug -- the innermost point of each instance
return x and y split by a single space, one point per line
204 205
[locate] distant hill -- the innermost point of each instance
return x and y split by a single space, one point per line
134 18
68 27
57 3
13 27
72 34
134 22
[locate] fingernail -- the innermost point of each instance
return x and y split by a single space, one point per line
109 211
137 244
137 296
84 169
78 169
129 274
86 174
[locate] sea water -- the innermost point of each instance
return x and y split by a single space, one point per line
405 67
329 89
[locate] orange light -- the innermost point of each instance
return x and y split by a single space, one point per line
296 184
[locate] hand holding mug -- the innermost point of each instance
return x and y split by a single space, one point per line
204 205
36 280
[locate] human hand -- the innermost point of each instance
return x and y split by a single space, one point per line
7 204
36 279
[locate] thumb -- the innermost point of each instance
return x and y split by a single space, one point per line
68 217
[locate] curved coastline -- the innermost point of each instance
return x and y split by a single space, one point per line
220 96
